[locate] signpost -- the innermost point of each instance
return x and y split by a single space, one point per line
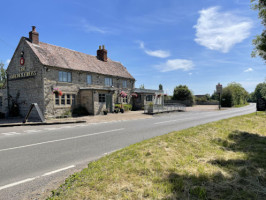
38 110
219 89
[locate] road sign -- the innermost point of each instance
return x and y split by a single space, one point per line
219 88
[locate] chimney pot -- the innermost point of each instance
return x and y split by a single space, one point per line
102 53
34 36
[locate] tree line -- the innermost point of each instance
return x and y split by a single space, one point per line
234 94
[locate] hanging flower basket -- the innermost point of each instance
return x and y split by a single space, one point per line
123 94
134 95
56 91
158 95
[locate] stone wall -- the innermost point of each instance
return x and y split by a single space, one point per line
86 100
38 88
87 94
25 90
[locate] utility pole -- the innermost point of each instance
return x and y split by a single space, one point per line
219 89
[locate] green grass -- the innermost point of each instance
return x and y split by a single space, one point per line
219 160
241 105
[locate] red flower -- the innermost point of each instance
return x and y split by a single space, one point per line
123 94
135 95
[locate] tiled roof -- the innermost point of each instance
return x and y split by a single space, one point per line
55 56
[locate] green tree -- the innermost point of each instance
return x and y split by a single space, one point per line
182 93
215 96
234 94
142 86
227 98
2 74
251 97
260 91
160 87
260 41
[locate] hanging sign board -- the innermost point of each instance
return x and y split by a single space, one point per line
219 88
22 75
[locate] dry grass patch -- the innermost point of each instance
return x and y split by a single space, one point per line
220 160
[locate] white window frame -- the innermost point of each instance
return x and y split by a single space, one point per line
89 79
64 76
148 97
108 81
59 98
124 83
124 99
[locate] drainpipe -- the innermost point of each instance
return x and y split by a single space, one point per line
7 88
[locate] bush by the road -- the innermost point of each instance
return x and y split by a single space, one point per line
234 95
182 93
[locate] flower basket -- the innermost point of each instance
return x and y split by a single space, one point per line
123 94
134 95
56 91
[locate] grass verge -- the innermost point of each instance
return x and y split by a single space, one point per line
219 160
241 105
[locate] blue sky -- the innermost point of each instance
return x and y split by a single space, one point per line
193 42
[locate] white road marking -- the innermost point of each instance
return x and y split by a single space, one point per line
176 120
59 140
50 129
32 131
11 133
82 125
59 170
67 127
31 179
166 122
16 183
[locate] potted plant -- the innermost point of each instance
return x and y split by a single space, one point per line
121 108
105 111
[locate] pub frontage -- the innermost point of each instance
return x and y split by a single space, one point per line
59 80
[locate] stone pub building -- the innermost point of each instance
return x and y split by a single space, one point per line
60 79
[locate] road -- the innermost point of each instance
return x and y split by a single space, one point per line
33 157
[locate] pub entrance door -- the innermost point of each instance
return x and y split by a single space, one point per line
109 102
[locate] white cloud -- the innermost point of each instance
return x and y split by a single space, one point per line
221 30
8 61
155 53
249 70
175 64
87 27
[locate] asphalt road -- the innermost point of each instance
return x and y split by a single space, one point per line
32 157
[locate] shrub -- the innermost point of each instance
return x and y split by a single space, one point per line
227 98
182 93
127 107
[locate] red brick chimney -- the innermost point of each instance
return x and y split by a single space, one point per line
34 36
102 54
